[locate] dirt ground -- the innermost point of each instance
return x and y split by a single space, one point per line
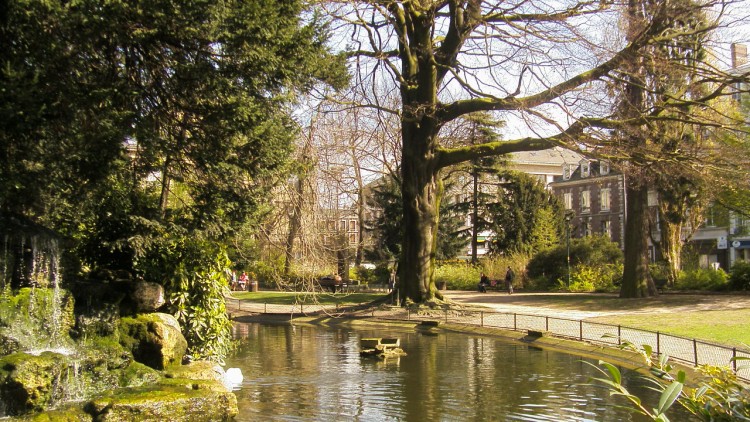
584 306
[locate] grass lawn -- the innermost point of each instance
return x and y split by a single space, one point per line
288 298
730 327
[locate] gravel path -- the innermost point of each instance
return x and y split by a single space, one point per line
596 304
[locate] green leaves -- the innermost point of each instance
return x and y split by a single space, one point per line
668 397
613 381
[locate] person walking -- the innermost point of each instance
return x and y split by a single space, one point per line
509 277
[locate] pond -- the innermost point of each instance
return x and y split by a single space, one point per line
303 373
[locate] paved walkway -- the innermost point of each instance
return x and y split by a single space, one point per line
596 304
585 306
520 303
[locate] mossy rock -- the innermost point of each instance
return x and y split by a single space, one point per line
68 413
175 399
27 382
153 339
197 370
138 375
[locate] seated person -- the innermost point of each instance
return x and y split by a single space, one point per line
484 281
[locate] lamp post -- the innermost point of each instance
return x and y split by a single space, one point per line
568 216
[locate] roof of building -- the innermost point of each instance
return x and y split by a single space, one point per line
553 156
595 170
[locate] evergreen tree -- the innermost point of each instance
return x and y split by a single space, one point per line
386 228
142 129
526 218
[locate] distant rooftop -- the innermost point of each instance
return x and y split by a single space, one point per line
554 156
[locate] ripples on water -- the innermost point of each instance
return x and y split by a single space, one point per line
301 373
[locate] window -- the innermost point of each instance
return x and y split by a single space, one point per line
568 200
653 198
740 224
352 238
586 227
585 201
352 225
710 217
566 171
585 168
604 199
607 228
604 167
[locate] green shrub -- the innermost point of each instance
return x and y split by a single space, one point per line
739 276
703 279
659 272
586 278
550 265
496 266
267 271
195 274
378 275
458 276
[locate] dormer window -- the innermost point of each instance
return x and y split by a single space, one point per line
566 172
604 167
585 168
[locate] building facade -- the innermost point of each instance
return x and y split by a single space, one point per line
594 198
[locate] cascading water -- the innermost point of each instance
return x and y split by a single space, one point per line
33 262
36 312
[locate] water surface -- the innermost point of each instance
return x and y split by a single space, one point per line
304 373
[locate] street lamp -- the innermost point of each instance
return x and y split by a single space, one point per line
568 217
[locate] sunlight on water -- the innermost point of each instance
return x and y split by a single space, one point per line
310 373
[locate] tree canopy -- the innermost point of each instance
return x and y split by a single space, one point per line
542 63
184 105
151 129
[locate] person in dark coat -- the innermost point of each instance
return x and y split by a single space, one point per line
484 281
509 277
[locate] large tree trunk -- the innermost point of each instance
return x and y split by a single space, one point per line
295 224
670 245
421 191
636 279
358 255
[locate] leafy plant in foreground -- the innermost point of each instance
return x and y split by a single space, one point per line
719 397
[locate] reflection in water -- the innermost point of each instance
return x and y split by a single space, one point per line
302 373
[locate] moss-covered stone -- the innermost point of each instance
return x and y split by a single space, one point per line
32 383
137 375
153 339
68 413
28 383
197 370
175 399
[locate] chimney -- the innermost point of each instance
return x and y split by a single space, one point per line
739 55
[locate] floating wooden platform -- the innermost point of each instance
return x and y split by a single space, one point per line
380 347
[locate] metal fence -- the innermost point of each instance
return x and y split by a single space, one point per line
689 351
